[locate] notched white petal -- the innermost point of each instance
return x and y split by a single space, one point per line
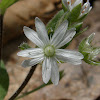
24 53
41 30
46 70
74 62
32 62
69 56
69 60
59 33
31 53
54 72
69 53
67 38
32 35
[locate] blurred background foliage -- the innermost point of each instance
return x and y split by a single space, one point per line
4 80
4 4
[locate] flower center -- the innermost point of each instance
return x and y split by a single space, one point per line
49 51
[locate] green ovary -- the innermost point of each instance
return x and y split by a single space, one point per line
49 51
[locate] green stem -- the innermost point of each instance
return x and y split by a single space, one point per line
1 32
27 93
41 86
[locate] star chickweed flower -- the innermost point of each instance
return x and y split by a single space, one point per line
84 10
48 50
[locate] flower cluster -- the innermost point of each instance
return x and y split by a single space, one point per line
84 9
89 51
48 50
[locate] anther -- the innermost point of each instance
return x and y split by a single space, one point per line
68 3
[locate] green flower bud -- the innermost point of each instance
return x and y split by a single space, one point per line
90 53
24 46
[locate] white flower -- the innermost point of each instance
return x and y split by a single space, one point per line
48 50
85 8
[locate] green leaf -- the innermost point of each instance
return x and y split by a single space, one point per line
52 23
63 18
89 52
75 13
4 81
24 46
41 86
5 4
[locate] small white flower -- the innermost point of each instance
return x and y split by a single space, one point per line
85 8
48 50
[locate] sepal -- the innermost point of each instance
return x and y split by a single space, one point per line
24 46
74 14
90 53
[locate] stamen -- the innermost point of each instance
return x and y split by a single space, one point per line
83 11
68 3
85 7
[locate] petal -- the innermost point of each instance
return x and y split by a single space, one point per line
31 53
67 38
32 62
77 2
46 70
54 72
89 9
69 53
41 30
85 9
84 6
73 61
32 35
59 33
